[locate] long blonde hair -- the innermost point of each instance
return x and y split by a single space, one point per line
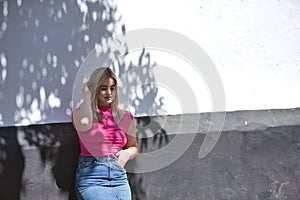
96 79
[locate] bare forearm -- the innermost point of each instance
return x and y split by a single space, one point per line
133 150
84 117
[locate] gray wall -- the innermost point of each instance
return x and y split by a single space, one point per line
254 160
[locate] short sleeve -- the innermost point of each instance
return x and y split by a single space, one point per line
126 121
130 115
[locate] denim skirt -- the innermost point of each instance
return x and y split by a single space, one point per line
101 178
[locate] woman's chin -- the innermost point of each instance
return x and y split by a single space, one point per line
106 103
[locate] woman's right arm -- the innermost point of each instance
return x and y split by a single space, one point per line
83 117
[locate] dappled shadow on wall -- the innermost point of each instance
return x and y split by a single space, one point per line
11 164
42 45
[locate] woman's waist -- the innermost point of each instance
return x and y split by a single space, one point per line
104 142
88 149
102 158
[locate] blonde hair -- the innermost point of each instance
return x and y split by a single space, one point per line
96 79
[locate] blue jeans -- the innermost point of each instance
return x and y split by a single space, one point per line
101 178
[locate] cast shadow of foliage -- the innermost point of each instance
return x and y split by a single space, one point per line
43 67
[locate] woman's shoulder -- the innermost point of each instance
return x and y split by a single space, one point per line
126 114
126 120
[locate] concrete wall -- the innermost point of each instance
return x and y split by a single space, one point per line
256 157
252 46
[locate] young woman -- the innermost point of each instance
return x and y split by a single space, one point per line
107 137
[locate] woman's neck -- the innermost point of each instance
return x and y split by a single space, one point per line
104 107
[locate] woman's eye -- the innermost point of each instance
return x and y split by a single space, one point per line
105 88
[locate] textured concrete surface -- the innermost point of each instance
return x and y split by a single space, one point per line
259 164
256 157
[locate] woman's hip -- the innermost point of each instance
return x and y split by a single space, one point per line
100 171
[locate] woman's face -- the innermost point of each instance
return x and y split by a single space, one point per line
107 92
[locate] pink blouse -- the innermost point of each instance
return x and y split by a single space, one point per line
105 138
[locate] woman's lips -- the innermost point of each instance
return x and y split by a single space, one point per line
108 98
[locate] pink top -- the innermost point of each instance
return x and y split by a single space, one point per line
105 138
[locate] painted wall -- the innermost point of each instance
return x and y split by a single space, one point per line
47 48
39 161
255 45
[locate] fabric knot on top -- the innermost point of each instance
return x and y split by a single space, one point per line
104 108
105 111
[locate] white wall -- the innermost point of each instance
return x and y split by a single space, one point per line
255 45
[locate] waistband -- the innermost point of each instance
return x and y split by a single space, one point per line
98 158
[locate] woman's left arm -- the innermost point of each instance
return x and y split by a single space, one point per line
130 150
131 139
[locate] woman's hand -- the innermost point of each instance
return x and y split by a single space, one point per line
124 156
